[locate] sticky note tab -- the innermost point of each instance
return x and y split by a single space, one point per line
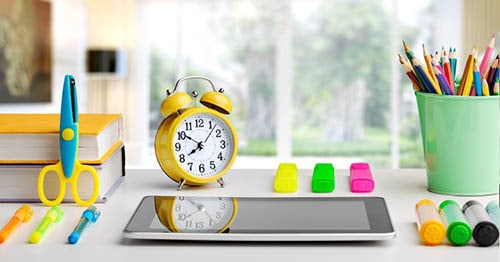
323 179
286 179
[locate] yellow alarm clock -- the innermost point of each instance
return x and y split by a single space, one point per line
196 214
195 145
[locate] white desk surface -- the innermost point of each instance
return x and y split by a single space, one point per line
103 241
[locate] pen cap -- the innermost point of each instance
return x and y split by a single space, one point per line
458 231
430 225
55 213
484 231
494 210
92 214
24 213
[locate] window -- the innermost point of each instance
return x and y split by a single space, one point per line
310 81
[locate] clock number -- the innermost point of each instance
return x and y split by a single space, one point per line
182 158
178 207
189 223
199 225
209 124
182 217
212 165
190 164
223 144
219 156
189 126
218 133
177 146
222 206
198 123
218 215
181 135
201 168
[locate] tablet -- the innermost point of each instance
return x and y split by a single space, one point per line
261 219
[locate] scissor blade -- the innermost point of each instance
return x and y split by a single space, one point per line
68 138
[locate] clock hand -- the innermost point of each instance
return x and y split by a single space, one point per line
209 133
190 138
199 146
202 208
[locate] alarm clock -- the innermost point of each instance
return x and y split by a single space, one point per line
196 214
195 145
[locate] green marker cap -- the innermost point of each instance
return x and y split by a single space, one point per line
459 231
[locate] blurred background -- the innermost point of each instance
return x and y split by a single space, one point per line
310 80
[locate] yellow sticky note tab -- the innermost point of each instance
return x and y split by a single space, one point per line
286 179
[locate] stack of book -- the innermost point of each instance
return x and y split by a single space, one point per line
28 142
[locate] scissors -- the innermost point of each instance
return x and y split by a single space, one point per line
68 168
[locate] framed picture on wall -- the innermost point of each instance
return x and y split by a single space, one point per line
25 51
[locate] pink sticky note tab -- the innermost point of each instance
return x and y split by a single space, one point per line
361 179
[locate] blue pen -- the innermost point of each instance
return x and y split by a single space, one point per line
90 215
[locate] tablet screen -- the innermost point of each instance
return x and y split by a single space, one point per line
260 216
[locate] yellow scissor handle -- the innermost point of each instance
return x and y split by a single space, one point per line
62 184
78 169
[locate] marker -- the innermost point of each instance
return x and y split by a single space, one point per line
323 179
286 178
458 231
360 178
22 215
484 231
494 211
430 225
53 215
90 215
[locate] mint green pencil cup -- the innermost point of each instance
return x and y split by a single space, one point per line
461 141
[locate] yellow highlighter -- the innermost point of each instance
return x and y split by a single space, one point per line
430 225
53 215
286 179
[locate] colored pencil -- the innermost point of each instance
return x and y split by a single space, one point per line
443 83
409 72
447 71
410 56
428 63
420 72
453 65
490 75
477 80
487 55
485 87
496 87
465 74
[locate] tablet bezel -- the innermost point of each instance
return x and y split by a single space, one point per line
381 227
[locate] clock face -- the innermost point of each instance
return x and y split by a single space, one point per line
203 144
209 215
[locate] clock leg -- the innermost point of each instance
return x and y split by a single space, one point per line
181 184
221 182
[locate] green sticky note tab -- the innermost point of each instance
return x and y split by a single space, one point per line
323 179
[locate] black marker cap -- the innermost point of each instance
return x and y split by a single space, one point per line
485 234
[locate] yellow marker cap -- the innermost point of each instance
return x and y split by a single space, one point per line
432 232
431 228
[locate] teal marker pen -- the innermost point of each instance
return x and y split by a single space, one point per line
494 211
458 231
484 231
